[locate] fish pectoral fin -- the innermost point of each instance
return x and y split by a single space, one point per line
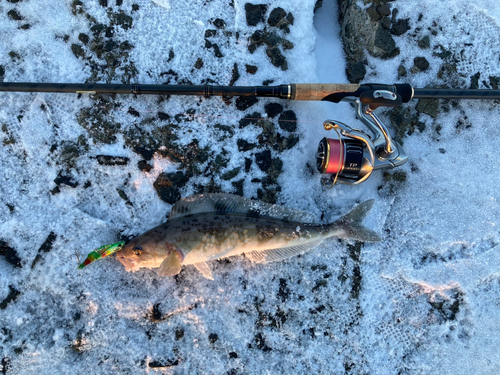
273 255
204 270
171 265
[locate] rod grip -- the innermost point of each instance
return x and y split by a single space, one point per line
319 91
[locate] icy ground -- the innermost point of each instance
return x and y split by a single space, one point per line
424 300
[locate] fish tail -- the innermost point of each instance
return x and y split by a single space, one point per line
350 225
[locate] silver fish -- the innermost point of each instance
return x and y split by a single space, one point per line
205 227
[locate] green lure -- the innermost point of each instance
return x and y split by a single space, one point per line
102 252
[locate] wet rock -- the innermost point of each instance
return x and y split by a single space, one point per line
277 14
273 109
10 254
167 186
112 160
400 27
251 69
288 121
255 13
244 102
11 297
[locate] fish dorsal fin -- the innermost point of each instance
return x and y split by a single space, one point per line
204 270
274 255
229 203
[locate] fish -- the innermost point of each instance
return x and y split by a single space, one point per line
206 227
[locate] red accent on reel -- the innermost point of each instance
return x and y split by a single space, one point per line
335 156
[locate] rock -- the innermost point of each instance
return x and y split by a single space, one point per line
11 297
217 51
356 72
255 13
425 42
248 164
384 9
235 75
66 180
14 15
277 58
263 160
402 71
384 41
273 109
112 160
277 14
244 102
167 186
144 166
373 13
219 23
230 174
84 38
251 69
123 20
77 51
494 82
421 63
474 81
244 145
210 33
428 106
250 119
238 186
10 254
400 27
288 121
199 63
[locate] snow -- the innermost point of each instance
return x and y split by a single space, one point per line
423 300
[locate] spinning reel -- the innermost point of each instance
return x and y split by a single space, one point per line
353 156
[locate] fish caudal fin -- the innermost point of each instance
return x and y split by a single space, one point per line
350 225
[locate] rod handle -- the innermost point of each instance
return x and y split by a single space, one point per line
319 91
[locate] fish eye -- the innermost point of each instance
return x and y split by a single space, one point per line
137 250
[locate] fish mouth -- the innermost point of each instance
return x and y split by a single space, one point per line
130 266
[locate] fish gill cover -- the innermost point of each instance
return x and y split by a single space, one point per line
81 171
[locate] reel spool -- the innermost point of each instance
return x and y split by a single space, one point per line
354 155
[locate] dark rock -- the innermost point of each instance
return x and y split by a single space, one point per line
230 174
144 166
260 342
77 51
199 63
98 28
112 160
103 3
14 15
210 33
179 334
2 70
10 254
428 106
384 41
244 102
373 13
11 297
318 5
163 116
271 39
163 364
213 337
400 27
244 145
288 121
219 23
135 7
248 164
251 69
384 9
250 119
133 112
171 55
273 109
474 81
286 44
167 186
255 13
386 23
356 72
425 42
263 160
123 20
217 51
277 14
402 71
48 243
66 180
238 186
233 355
494 82
235 75
277 58
84 38
421 63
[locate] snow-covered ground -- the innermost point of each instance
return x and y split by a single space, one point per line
424 300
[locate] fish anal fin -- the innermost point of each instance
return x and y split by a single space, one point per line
273 255
171 265
204 270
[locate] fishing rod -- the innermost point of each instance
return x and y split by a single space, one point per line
349 159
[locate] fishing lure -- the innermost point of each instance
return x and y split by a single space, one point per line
102 252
